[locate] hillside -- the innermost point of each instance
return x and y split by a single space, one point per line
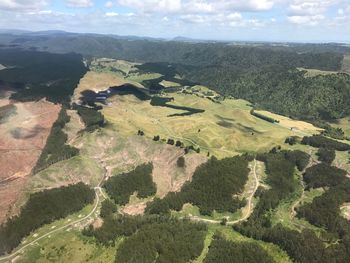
173 151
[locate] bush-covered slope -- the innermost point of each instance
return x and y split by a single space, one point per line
43 208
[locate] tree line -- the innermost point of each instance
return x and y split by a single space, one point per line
321 141
43 208
151 238
56 148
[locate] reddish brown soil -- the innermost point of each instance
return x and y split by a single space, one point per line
22 138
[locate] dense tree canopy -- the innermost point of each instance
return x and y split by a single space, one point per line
43 208
56 148
212 188
121 187
224 251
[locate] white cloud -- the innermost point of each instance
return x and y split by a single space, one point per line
198 6
306 20
310 12
310 7
79 3
23 5
151 6
111 14
109 4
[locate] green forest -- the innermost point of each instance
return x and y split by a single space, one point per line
43 208
223 251
154 238
212 187
42 75
121 187
56 148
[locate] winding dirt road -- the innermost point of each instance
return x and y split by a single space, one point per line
98 191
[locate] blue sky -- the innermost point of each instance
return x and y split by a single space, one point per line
254 20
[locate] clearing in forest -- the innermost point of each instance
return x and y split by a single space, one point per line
24 128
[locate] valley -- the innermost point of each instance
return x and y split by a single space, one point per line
220 169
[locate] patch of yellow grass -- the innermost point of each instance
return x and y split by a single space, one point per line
243 132
109 64
141 77
316 72
296 125
99 81
168 84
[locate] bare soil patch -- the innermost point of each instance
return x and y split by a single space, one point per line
22 137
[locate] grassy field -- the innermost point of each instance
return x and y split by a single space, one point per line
301 128
224 129
69 247
316 72
167 84
99 81
344 124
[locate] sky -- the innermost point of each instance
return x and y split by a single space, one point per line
241 20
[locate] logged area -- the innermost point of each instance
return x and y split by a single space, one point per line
23 135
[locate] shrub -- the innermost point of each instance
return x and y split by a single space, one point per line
181 162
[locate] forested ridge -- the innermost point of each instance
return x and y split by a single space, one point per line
151 238
39 75
212 188
304 246
265 75
43 208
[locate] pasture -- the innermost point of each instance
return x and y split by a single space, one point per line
224 129
344 124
